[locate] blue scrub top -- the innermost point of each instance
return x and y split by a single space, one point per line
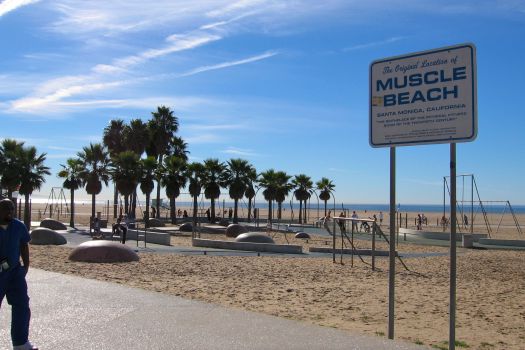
10 240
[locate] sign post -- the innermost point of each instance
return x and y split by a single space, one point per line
424 98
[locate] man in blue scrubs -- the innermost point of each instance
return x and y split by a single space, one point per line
14 239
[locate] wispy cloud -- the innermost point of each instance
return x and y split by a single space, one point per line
213 127
373 44
203 138
240 152
11 5
229 64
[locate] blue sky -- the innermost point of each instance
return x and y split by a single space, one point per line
283 84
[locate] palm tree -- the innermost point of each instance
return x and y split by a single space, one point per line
326 187
195 173
174 178
10 153
113 139
282 190
96 163
250 190
126 174
71 173
178 147
213 179
303 185
32 177
237 179
162 128
148 167
136 138
268 181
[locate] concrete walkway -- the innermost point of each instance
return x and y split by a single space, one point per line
75 313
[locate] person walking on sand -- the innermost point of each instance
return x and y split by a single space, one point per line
354 222
14 239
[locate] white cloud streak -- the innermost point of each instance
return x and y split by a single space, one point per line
239 152
229 64
10 5
373 44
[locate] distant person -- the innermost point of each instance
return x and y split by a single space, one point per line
153 212
185 214
341 222
208 216
424 220
380 218
255 211
179 213
354 222
96 225
230 213
14 239
444 222
419 220
120 228
465 220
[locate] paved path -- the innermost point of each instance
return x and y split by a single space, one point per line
75 313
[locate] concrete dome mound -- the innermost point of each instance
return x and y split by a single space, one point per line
254 237
52 224
302 235
186 227
103 252
45 236
234 230
155 223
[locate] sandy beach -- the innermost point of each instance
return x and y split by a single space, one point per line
490 300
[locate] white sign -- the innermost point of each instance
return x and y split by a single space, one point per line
425 97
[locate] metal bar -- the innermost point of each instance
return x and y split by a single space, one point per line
472 204
333 238
452 305
392 253
374 246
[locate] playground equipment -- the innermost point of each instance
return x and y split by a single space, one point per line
56 203
342 224
481 205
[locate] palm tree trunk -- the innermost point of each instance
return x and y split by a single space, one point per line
194 214
300 210
304 217
133 210
146 214
157 212
279 210
115 202
173 211
92 212
126 204
213 209
72 217
235 204
249 209
27 213
270 211
325 208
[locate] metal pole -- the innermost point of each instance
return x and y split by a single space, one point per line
392 254
472 203
452 306
374 246
333 237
